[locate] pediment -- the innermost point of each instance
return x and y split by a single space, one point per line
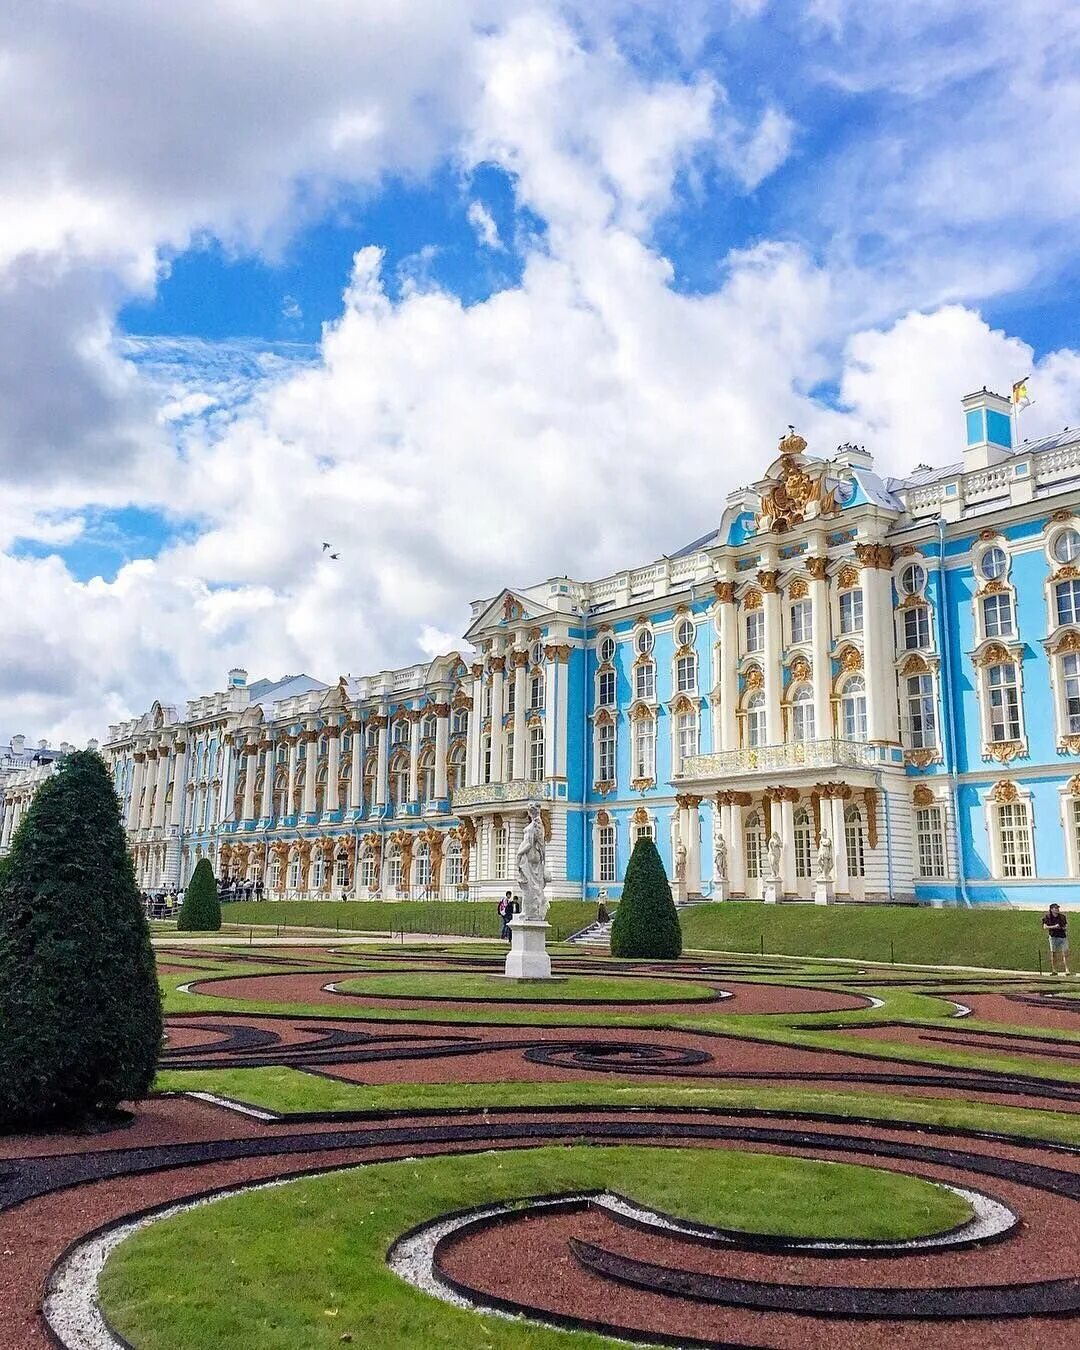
509 609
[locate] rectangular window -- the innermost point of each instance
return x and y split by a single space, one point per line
645 831
606 852
802 623
1070 669
922 717
605 753
1067 594
930 841
508 755
511 694
755 631
645 681
688 735
605 689
341 873
1074 816
486 756
998 616
644 748
686 674
536 754
916 627
502 852
1014 840
1004 703
851 611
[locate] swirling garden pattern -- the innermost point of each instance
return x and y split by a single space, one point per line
288 1063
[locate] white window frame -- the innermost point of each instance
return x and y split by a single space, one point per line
931 839
606 854
926 699
605 688
919 617
803 727
851 612
686 667
860 723
1020 812
605 751
997 615
536 764
754 631
645 681
803 629
755 722
644 746
1069 807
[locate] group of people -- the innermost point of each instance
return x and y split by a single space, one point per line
509 905
161 903
241 890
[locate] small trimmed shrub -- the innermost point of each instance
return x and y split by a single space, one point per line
80 1009
201 910
646 923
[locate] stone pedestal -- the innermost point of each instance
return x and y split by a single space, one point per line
720 890
528 958
772 892
824 892
678 892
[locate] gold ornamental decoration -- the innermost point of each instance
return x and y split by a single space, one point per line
1069 745
1005 793
640 816
851 659
848 577
768 581
870 797
603 819
920 759
754 678
798 589
1004 751
922 796
1072 787
817 567
752 599
874 555
994 655
725 592
800 669
1068 642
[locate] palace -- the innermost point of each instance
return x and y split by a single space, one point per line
893 663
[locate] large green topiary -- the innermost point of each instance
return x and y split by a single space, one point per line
201 910
80 1009
646 923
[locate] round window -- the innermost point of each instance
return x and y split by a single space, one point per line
1067 546
684 634
912 579
607 650
645 641
994 563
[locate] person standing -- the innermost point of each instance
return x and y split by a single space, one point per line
1057 930
506 913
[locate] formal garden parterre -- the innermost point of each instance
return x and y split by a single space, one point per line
724 1150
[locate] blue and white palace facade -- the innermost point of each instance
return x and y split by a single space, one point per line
894 662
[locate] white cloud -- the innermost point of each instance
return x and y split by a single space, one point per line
483 222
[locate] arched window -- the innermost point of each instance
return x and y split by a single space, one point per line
452 865
536 690
427 730
393 868
459 723
399 780
294 872
802 714
1066 547
320 790
455 767
400 731
853 709
423 867
318 871
426 773
485 758
275 875
369 870
371 736
802 842
755 721
298 789
536 754
341 872
853 838
370 778
753 844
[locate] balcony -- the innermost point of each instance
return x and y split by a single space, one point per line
490 794
788 757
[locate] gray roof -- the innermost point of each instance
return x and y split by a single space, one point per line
267 692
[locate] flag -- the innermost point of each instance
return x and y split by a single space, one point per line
1020 397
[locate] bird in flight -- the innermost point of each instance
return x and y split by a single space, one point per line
335 556
325 546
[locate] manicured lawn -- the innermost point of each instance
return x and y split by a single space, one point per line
303 1265
291 1090
1006 939
466 918
578 988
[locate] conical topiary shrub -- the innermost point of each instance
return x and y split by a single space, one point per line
80 1009
646 923
201 910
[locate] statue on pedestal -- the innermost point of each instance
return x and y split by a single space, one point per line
775 850
825 858
720 858
532 872
680 860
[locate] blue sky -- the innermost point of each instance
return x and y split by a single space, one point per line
379 275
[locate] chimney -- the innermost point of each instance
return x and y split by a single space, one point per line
237 677
987 429
18 744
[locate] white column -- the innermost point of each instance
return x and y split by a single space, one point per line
521 697
693 845
294 753
310 749
558 711
476 717
819 599
333 762
225 790
729 667
179 784
774 674
414 755
251 756
383 760
879 644
787 835
162 781
839 834
736 854
356 774
499 768
266 806
8 818
442 737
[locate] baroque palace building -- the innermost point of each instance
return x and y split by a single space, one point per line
893 662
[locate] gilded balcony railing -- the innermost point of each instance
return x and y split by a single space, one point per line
790 755
517 790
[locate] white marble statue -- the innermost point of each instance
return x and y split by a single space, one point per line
775 849
825 858
680 860
720 858
532 872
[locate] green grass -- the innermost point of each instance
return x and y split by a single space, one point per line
1005 939
580 988
290 1090
225 1275
467 918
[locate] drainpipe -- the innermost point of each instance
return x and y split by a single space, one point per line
584 748
888 833
950 756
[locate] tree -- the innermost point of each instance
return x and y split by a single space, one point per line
646 923
80 1008
201 910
